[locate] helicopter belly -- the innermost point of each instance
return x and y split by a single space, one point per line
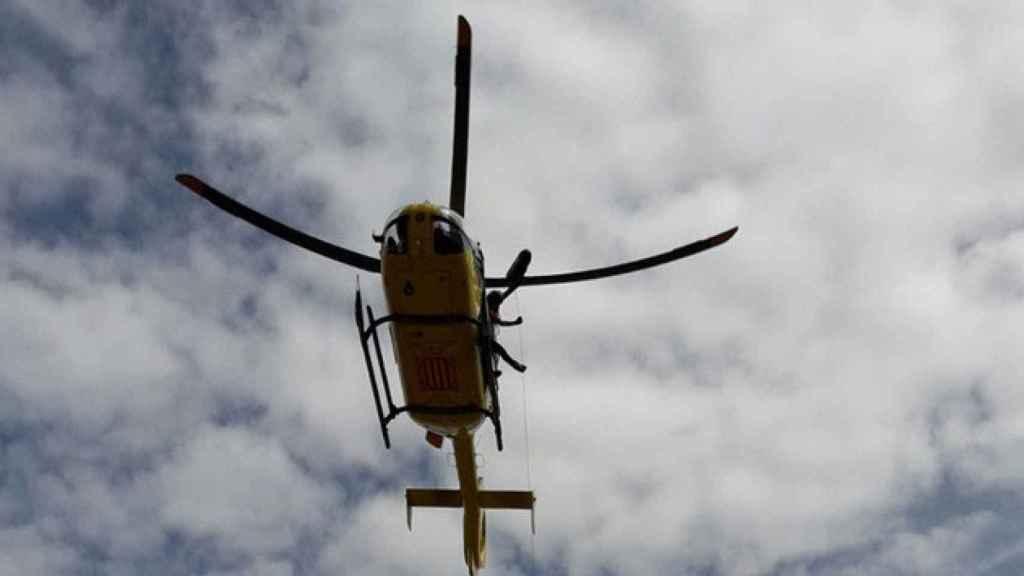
440 369
437 345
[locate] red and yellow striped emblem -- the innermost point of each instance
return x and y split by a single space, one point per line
436 374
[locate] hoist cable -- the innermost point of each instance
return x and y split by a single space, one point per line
526 432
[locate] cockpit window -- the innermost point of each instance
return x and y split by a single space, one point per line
447 238
396 237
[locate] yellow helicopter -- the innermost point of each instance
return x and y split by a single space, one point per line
443 321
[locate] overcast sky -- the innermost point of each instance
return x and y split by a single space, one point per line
838 390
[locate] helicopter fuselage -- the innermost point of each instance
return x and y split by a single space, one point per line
432 270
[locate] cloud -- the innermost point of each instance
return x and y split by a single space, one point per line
219 487
834 391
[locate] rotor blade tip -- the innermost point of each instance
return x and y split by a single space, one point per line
191 182
725 236
465 32
185 179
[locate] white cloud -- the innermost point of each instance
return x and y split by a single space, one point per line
188 396
25 552
242 490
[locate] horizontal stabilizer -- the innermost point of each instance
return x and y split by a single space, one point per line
488 499
427 498
510 500
506 499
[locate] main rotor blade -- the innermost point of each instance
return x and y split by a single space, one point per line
625 268
463 59
282 231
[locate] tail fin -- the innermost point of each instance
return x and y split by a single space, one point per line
492 499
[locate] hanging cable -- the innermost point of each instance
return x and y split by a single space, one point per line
526 432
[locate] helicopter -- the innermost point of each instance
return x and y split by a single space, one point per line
443 320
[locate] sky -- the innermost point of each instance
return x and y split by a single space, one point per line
837 390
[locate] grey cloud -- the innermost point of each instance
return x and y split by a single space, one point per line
833 391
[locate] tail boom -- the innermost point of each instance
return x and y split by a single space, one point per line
472 500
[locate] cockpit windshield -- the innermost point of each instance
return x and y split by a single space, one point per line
447 238
396 237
